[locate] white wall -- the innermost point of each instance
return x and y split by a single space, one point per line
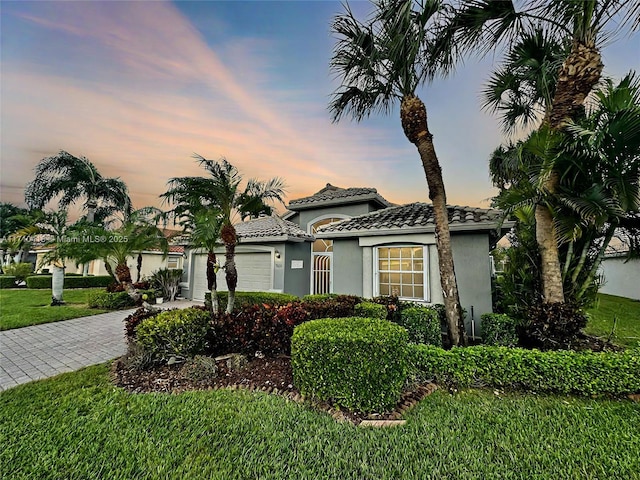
621 279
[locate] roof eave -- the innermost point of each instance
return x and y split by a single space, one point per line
478 226
371 197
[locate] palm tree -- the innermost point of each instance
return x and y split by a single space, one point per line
380 62
599 191
205 233
77 178
482 25
220 192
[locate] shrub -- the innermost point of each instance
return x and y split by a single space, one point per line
553 325
318 297
74 281
7 281
133 320
200 368
358 363
110 301
136 358
19 270
371 310
338 306
499 329
167 281
246 299
175 332
582 373
257 327
423 325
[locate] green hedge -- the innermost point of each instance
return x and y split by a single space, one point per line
562 371
358 363
7 281
110 301
318 297
19 270
44 281
246 299
423 325
499 329
174 332
371 310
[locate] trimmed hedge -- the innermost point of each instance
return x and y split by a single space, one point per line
371 310
247 299
110 301
423 325
7 281
562 371
73 281
499 329
174 332
358 363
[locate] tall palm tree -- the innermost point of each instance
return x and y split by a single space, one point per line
76 178
382 61
205 229
482 25
221 192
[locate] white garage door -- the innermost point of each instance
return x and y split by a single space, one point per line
254 273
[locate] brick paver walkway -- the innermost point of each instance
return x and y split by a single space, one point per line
42 351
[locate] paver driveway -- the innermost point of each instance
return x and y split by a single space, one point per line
42 351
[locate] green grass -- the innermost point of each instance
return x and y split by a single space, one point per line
627 311
79 426
24 307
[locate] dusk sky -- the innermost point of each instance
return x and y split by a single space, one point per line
138 87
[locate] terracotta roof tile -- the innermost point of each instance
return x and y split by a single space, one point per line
273 226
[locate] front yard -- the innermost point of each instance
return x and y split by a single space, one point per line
25 307
79 425
627 315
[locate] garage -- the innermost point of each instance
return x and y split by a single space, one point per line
255 273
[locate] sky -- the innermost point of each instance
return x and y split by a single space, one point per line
138 87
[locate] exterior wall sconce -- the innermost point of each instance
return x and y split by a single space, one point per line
277 254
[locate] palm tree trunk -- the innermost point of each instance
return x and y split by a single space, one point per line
107 267
139 267
579 73
413 115
212 281
229 238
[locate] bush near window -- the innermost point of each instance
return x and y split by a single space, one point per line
423 325
358 363
371 310
175 332
264 328
499 329
7 281
337 306
563 371
110 301
73 281
245 299
19 270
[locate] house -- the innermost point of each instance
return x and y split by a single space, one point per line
621 274
353 241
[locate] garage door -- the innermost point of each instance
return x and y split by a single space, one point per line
254 273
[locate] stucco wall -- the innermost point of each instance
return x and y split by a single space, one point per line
347 267
297 281
621 279
353 269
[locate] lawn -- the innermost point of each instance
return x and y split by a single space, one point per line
627 312
79 426
24 307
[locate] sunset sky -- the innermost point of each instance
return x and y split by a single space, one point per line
139 87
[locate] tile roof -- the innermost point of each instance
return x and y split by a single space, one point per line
331 195
270 228
414 216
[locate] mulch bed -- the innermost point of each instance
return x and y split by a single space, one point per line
269 374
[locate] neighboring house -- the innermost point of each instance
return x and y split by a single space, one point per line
353 241
621 276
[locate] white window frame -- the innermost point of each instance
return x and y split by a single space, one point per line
177 259
425 271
